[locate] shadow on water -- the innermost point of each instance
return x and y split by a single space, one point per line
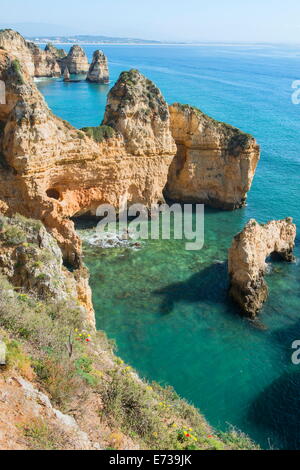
209 285
277 411
285 337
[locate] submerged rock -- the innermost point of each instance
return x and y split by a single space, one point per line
98 71
247 260
215 162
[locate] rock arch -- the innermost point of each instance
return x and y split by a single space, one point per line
247 260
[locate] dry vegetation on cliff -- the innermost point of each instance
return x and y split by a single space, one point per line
52 346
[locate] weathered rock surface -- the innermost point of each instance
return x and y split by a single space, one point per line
215 162
38 63
247 260
66 75
137 110
76 61
98 71
51 171
30 258
22 404
58 53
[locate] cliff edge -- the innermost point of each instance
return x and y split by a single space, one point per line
215 162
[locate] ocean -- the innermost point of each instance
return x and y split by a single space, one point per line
168 308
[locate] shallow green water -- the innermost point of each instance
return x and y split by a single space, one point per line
169 312
167 308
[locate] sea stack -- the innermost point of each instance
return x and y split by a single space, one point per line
66 75
98 71
137 110
76 61
58 53
215 162
247 260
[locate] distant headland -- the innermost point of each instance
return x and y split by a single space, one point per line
89 39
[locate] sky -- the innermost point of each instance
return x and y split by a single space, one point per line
171 20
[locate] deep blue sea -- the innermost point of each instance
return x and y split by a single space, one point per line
167 308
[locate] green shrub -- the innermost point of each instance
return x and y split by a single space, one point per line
13 235
99 133
125 402
18 71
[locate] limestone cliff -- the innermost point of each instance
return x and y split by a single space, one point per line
215 162
98 71
52 171
38 63
247 260
137 110
31 260
76 61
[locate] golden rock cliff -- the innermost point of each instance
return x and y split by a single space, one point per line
247 260
137 110
98 71
38 63
215 163
52 171
76 61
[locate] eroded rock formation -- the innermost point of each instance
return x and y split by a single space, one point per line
98 71
52 171
58 53
38 63
215 162
247 260
76 61
137 110
66 75
30 258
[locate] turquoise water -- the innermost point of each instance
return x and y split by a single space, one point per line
167 308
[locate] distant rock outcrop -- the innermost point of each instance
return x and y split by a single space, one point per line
76 61
247 260
98 71
66 75
58 53
215 162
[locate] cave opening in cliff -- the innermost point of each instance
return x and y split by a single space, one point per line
53 193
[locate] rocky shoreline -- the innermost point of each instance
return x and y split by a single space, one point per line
52 62
144 151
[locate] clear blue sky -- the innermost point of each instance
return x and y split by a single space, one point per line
201 20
